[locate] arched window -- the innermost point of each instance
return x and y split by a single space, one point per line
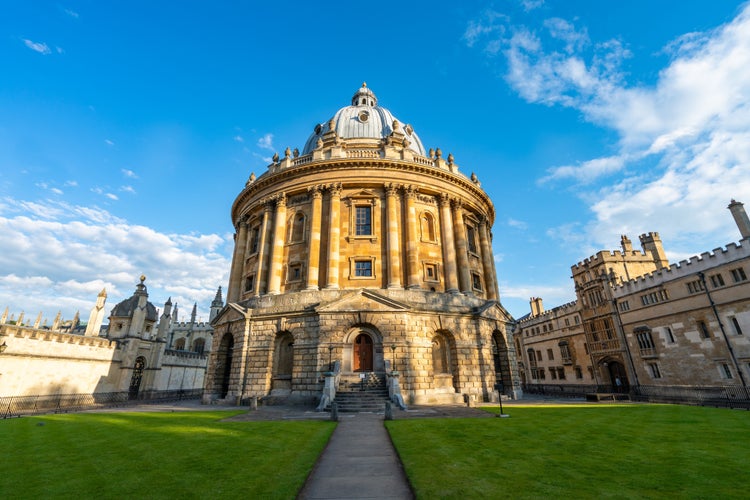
180 344
428 227
284 355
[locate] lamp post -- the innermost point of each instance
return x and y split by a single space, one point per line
330 353
393 356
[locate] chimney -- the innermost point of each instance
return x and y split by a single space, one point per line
740 218
536 306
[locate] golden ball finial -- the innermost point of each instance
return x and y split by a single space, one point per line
364 84
143 278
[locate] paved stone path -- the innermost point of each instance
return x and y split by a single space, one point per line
359 462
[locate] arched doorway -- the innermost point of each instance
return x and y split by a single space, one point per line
618 377
135 380
362 354
224 364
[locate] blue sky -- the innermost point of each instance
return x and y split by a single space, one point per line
128 128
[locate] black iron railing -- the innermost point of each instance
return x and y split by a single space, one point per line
16 406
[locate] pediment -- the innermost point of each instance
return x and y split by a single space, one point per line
494 310
230 313
363 300
364 193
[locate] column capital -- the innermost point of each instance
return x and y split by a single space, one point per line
335 189
316 191
410 191
456 204
280 199
391 189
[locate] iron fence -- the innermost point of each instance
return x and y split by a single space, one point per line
731 396
16 406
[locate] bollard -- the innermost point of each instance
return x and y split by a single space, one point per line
334 412
254 403
388 411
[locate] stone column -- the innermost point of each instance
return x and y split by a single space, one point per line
261 274
412 245
238 261
487 267
394 249
449 245
462 249
277 254
313 254
334 234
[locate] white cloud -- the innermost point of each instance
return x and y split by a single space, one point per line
71 13
71 183
683 147
529 5
127 189
40 47
239 138
129 173
62 262
108 142
266 142
518 224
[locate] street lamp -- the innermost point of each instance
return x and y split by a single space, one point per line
330 352
393 356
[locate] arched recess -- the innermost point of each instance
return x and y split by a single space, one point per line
283 361
363 350
427 225
503 376
614 370
296 225
444 361
223 369
179 344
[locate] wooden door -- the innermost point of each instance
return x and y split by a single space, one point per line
363 353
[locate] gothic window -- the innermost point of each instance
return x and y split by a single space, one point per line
199 346
565 351
180 344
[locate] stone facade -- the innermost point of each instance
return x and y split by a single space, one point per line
366 250
128 355
649 323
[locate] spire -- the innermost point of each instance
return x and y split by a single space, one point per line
38 320
216 306
56 323
4 318
140 288
194 313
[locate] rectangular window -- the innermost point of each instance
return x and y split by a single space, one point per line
695 286
645 342
561 373
703 329
567 321
624 306
670 337
541 373
539 355
717 280
736 325
363 221
653 368
254 239
550 354
579 372
250 283
727 372
476 281
565 351
471 238
552 373
295 272
738 275
363 268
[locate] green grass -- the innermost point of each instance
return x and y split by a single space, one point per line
156 455
608 451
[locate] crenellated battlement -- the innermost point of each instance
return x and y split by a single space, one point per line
703 262
569 308
184 325
45 335
604 256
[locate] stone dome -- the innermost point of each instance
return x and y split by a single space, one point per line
127 307
364 119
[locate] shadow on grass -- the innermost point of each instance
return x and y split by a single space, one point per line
157 455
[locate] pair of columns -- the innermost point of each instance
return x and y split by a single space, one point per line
454 244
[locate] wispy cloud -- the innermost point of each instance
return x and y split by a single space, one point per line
104 193
238 138
127 189
40 47
108 142
129 173
517 224
266 142
71 13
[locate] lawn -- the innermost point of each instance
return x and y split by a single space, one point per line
156 455
603 451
